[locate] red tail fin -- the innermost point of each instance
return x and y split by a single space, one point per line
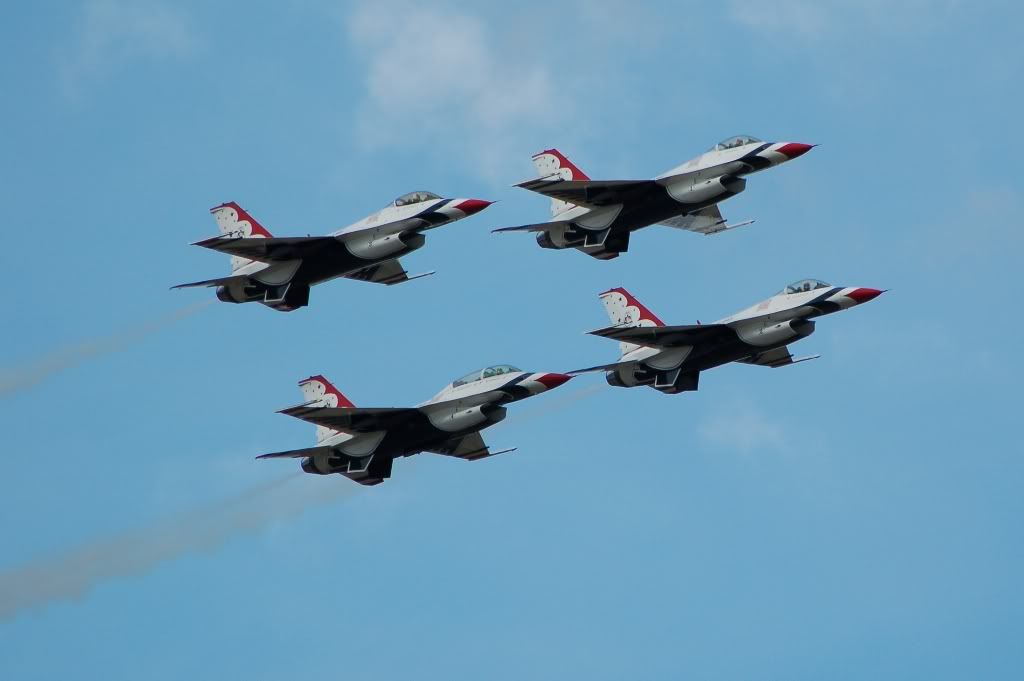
319 389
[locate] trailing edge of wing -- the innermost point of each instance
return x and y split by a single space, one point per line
296 453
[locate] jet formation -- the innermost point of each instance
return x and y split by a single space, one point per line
595 217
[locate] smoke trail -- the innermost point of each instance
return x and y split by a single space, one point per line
74 573
23 377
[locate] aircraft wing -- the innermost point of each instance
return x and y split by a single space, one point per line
356 419
706 221
296 453
664 336
775 358
601 367
222 281
271 249
537 227
389 272
470 447
593 193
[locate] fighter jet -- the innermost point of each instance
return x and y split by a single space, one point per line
279 271
362 443
596 217
670 358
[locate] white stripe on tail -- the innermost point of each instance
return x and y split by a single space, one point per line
625 310
317 391
553 162
232 220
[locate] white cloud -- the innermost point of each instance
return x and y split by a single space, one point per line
115 31
436 76
743 427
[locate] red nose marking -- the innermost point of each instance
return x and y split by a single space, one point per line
470 206
553 380
794 149
863 295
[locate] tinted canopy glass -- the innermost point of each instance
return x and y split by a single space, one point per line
496 370
737 141
415 197
805 285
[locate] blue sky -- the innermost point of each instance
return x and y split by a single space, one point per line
853 517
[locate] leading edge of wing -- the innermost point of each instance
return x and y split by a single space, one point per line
296 453
356 419
267 249
221 281
590 193
601 367
661 336
536 227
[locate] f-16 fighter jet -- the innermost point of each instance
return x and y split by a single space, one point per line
279 271
361 443
670 358
597 216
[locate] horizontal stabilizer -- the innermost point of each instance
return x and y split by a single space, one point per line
222 281
296 453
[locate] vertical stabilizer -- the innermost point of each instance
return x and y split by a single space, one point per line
317 391
233 220
553 162
625 310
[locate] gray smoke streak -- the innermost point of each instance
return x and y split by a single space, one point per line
76 572
38 370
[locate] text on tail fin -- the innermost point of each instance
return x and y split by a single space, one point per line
625 310
318 389
234 220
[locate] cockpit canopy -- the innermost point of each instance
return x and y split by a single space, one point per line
495 370
805 285
415 197
732 142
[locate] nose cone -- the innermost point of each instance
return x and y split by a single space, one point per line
550 381
863 295
793 149
471 206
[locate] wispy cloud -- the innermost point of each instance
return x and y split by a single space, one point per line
111 32
742 426
74 573
432 73
33 372
821 19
